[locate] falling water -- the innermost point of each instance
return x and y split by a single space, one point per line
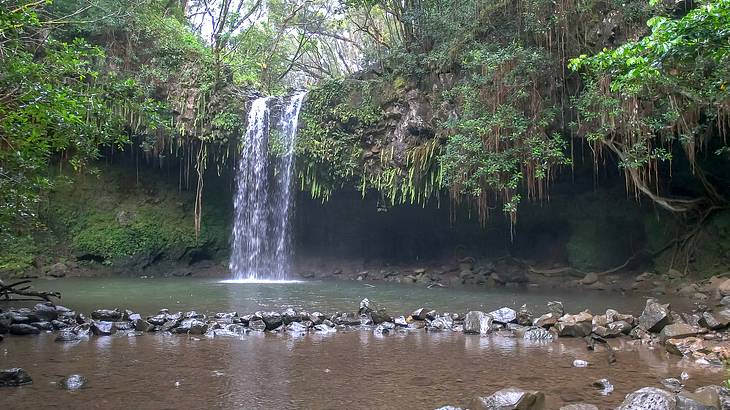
262 205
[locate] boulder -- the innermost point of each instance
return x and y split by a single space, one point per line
707 399
579 325
722 392
510 399
685 346
272 320
42 326
504 315
73 382
556 308
649 398
678 331
257 325
524 316
44 312
297 328
192 326
103 328
547 320
724 288
14 377
589 279
655 316
142 325
477 322
5 322
419 314
107 315
22 329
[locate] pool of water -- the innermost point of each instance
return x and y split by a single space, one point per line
147 296
354 369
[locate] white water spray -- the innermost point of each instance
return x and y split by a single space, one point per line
263 205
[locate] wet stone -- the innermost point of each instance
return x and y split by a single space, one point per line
556 308
257 325
45 312
649 398
101 328
477 322
43 326
22 329
107 315
655 316
14 377
510 398
504 315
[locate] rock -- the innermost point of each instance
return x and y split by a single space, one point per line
604 385
192 327
535 334
649 398
296 327
22 329
68 336
384 328
58 325
725 301
45 312
678 331
18 318
580 363
579 325
419 314
257 325
503 315
672 384
547 320
556 308
655 316
316 317
42 326
597 286
441 323
724 288
5 322
589 279
449 408
477 322
510 399
688 290
58 270
289 316
705 400
524 316
73 382
107 315
401 321
102 328
722 392
272 320
14 377
142 325
579 406
685 346
709 321
323 328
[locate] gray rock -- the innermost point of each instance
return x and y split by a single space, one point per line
655 316
440 323
102 328
419 314
556 308
73 382
524 316
579 406
289 316
579 325
22 329
68 336
547 320
296 327
316 317
604 385
504 315
107 315
5 322
45 312
678 331
142 325
477 322
192 326
535 334
14 377
401 321
649 398
257 325
707 399
18 318
42 326
58 325
510 399
722 392
272 320
323 328
672 384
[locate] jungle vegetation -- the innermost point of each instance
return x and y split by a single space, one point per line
516 87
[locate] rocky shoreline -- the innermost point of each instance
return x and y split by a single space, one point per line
702 336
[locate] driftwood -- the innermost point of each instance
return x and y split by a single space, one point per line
22 289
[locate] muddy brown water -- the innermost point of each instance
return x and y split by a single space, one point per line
344 370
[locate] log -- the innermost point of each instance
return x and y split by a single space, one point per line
16 289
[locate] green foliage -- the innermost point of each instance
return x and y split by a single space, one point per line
329 146
17 253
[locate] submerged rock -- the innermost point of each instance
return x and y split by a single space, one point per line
477 322
510 398
14 377
73 382
649 398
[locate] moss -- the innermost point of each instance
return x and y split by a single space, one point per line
17 253
112 217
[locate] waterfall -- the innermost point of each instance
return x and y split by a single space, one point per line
261 237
